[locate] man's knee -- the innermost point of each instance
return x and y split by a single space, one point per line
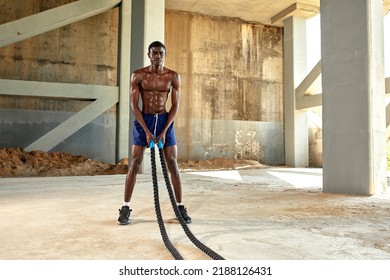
172 165
134 167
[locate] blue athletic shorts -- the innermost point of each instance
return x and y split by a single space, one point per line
155 123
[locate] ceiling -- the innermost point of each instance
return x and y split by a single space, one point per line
270 12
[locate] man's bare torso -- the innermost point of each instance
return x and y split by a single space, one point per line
154 89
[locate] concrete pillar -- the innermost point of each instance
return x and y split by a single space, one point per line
147 25
295 121
354 124
122 147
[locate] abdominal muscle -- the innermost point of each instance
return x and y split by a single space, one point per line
154 102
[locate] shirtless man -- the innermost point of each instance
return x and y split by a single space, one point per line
153 84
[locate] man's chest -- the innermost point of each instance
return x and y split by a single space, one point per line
156 83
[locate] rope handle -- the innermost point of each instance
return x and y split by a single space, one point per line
153 145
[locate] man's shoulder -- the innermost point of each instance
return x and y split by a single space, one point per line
139 73
168 70
171 72
141 70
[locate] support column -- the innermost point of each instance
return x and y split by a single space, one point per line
354 120
147 25
295 121
123 109
148 22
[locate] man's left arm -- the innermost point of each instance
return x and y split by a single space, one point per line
175 101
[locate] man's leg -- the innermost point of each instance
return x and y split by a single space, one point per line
170 153
171 159
137 153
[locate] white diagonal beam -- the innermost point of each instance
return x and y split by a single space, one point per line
104 96
73 124
305 98
309 101
33 25
308 81
304 93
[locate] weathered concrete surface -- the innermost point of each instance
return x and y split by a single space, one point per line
254 140
262 11
231 71
353 112
315 146
84 52
19 128
273 213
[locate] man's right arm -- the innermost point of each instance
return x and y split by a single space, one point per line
134 103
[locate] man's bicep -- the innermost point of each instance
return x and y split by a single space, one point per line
134 87
134 82
176 88
175 96
176 82
134 98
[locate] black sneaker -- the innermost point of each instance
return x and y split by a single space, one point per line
183 212
124 215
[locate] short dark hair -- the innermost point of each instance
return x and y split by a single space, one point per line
156 44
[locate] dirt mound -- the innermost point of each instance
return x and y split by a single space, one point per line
15 162
219 164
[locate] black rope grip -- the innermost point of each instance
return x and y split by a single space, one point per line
212 254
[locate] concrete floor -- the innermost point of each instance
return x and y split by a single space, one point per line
252 214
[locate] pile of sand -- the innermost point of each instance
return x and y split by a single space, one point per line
15 162
219 164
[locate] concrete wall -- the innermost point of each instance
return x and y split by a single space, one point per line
315 146
83 53
232 83
232 87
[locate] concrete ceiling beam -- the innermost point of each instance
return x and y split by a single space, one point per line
298 10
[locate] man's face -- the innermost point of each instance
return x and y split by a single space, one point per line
157 55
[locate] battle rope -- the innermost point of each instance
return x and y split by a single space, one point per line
186 229
160 221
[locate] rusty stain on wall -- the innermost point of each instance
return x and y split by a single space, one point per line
231 71
42 61
227 59
83 52
247 146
